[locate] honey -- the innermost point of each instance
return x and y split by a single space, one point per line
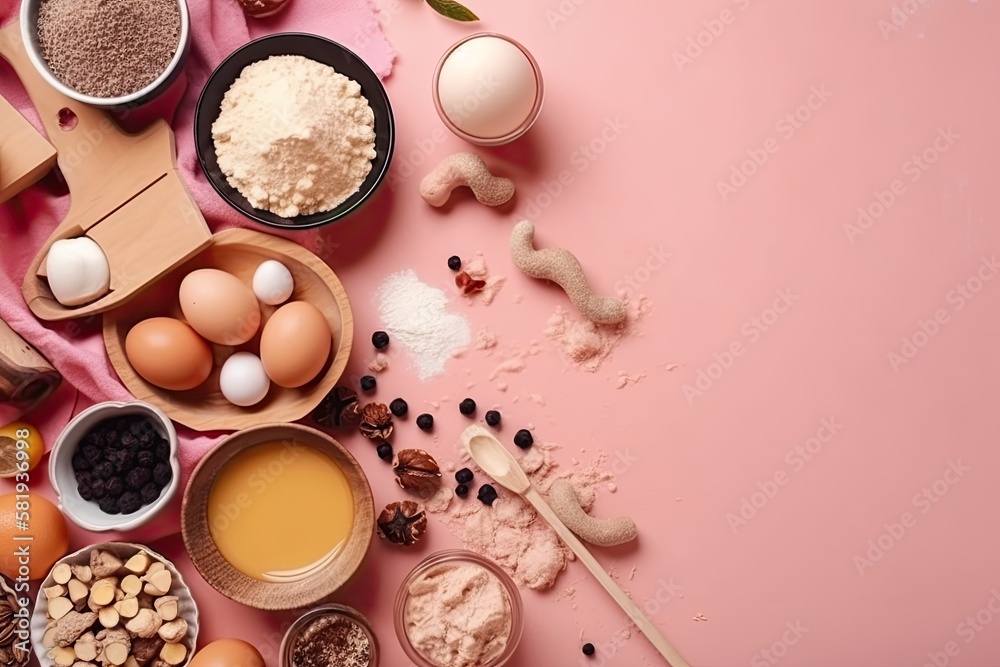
280 511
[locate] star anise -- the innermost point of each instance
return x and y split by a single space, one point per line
376 421
402 522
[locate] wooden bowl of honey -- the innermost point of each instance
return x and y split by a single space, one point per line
278 516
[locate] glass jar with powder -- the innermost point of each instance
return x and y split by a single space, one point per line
331 634
458 609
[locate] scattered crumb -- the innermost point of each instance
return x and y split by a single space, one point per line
470 385
460 352
631 574
433 404
671 367
678 499
502 386
486 340
513 365
517 298
379 363
493 286
536 398
567 593
612 487
624 379
699 617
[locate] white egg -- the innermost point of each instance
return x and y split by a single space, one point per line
273 283
487 87
242 380
77 270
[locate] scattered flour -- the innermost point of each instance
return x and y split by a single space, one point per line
417 316
586 344
379 363
510 532
486 340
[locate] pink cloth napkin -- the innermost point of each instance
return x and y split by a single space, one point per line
75 347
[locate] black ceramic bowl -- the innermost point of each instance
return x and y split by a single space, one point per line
321 50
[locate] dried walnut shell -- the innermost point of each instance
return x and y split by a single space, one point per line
402 522
416 470
376 421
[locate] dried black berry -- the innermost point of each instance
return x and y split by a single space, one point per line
104 470
113 486
98 488
487 494
161 450
145 459
162 474
129 441
84 478
109 504
138 478
384 451
398 407
463 476
85 491
150 493
425 422
129 502
493 418
380 339
588 649
454 262
80 462
524 439
368 382
462 490
467 407
92 453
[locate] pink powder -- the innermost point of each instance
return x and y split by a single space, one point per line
486 340
510 531
516 360
586 344
476 267
493 286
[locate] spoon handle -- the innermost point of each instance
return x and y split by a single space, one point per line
642 621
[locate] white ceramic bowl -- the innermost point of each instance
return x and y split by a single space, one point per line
86 513
186 607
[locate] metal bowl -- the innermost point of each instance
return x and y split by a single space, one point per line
322 50
29 33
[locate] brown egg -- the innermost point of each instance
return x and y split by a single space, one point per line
168 353
219 306
227 653
295 344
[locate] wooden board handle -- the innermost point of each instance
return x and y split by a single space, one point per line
26 378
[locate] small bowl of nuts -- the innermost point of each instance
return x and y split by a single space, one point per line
115 466
115 604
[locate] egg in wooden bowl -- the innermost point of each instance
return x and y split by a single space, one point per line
212 347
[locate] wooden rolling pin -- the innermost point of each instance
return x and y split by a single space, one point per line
26 377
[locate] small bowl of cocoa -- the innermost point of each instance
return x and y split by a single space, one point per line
110 55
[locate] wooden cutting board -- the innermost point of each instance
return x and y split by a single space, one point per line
25 155
125 194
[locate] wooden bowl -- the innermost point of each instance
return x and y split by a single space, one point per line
232 583
239 252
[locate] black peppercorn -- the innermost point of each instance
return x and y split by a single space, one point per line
384 451
467 407
588 649
368 382
493 418
524 439
380 339
462 490
454 262
463 476
425 422
487 494
398 407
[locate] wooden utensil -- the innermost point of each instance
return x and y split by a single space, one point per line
256 593
499 464
239 252
25 155
26 377
126 194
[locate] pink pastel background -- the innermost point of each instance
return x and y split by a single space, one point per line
775 322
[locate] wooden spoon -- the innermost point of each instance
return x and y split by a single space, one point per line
499 464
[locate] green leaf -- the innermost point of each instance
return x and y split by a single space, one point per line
453 10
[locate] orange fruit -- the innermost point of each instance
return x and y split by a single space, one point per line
30 515
15 438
